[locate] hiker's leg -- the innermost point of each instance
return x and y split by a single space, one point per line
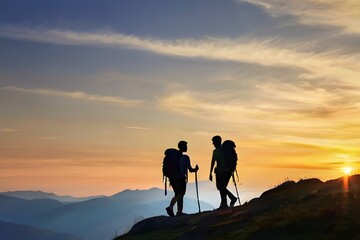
219 187
227 177
223 198
221 184
173 184
169 209
182 190
230 195
173 201
180 203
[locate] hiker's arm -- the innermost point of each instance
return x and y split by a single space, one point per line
194 169
212 167
191 169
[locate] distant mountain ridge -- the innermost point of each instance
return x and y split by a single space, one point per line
307 209
207 191
30 195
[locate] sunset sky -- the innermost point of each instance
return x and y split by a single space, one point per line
93 91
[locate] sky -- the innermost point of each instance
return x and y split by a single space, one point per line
93 91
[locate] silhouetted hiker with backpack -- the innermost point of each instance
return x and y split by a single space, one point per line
225 158
175 167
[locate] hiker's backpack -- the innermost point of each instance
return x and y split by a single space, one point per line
229 154
171 163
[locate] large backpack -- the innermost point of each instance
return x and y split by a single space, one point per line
230 155
171 163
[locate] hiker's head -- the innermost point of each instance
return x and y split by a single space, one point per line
182 145
216 140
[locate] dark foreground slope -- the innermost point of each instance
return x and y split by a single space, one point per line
308 209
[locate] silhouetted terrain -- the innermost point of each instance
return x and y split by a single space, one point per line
98 218
30 195
308 209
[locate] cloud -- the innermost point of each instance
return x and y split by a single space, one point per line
204 105
325 86
265 51
78 95
298 166
8 130
306 98
344 14
281 113
38 157
274 100
51 138
137 128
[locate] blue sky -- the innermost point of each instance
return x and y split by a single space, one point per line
92 92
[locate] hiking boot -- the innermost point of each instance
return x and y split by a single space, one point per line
232 202
170 211
181 214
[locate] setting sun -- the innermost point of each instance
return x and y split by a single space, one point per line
347 170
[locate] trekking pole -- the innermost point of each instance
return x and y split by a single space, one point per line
197 191
237 193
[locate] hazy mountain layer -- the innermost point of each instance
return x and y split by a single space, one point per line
14 231
98 218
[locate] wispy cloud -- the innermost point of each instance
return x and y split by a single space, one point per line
269 100
299 166
344 14
203 105
306 99
8 130
311 117
78 95
137 128
266 52
46 156
51 138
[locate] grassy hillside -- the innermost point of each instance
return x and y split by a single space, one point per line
308 209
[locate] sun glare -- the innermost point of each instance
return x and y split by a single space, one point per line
347 170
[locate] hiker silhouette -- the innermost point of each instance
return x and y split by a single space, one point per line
176 166
223 172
